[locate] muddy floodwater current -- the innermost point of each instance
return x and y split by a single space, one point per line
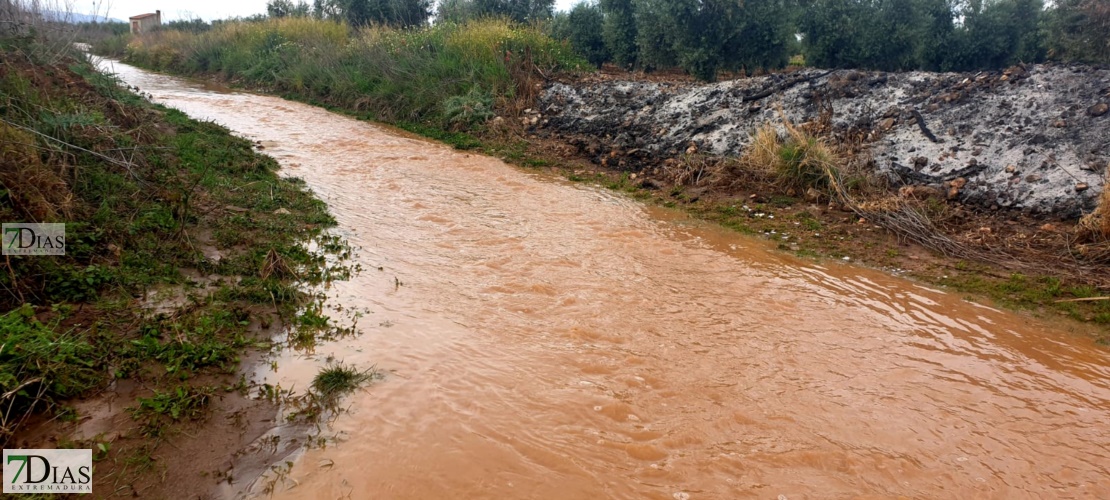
543 339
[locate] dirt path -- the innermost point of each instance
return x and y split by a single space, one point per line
549 340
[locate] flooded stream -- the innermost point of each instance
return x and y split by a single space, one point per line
544 339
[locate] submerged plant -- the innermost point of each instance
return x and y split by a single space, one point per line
337 378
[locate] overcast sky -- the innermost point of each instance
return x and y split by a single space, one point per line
179 9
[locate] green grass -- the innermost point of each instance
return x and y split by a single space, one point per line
40 363
449 77
139 188
179 403
1032 293
337 379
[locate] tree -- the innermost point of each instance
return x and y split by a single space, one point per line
584 26
619 32
998 33
328 9
1079 30
936 35
761 37
286 8
832 33
456 11
706 36
521 11
397 13
654 39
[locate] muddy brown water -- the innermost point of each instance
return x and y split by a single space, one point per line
550 340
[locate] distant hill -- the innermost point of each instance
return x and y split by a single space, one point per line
72 17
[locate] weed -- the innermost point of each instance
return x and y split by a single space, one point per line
182 402
336 379
39 364
466 111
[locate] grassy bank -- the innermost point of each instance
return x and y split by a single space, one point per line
450 76
184 249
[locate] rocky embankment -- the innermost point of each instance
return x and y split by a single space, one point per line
1032 138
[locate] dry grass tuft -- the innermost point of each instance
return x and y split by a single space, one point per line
38 193
1095 226
275 265
799 160
762 153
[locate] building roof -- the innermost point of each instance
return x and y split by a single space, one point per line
142 16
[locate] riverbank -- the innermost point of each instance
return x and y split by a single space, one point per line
187 259
1034 255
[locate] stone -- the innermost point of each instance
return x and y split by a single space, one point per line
920 192
920 162
1010 169
886 124
1098 109
1082 186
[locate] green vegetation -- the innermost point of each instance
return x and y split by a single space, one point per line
518 11
38 361
145 193
583 27
336 379
702 37
447 77
1079 30
707 36
1018 291
181 402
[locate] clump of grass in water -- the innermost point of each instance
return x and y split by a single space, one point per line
337 379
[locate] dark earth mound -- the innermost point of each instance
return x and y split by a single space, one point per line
1034 138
